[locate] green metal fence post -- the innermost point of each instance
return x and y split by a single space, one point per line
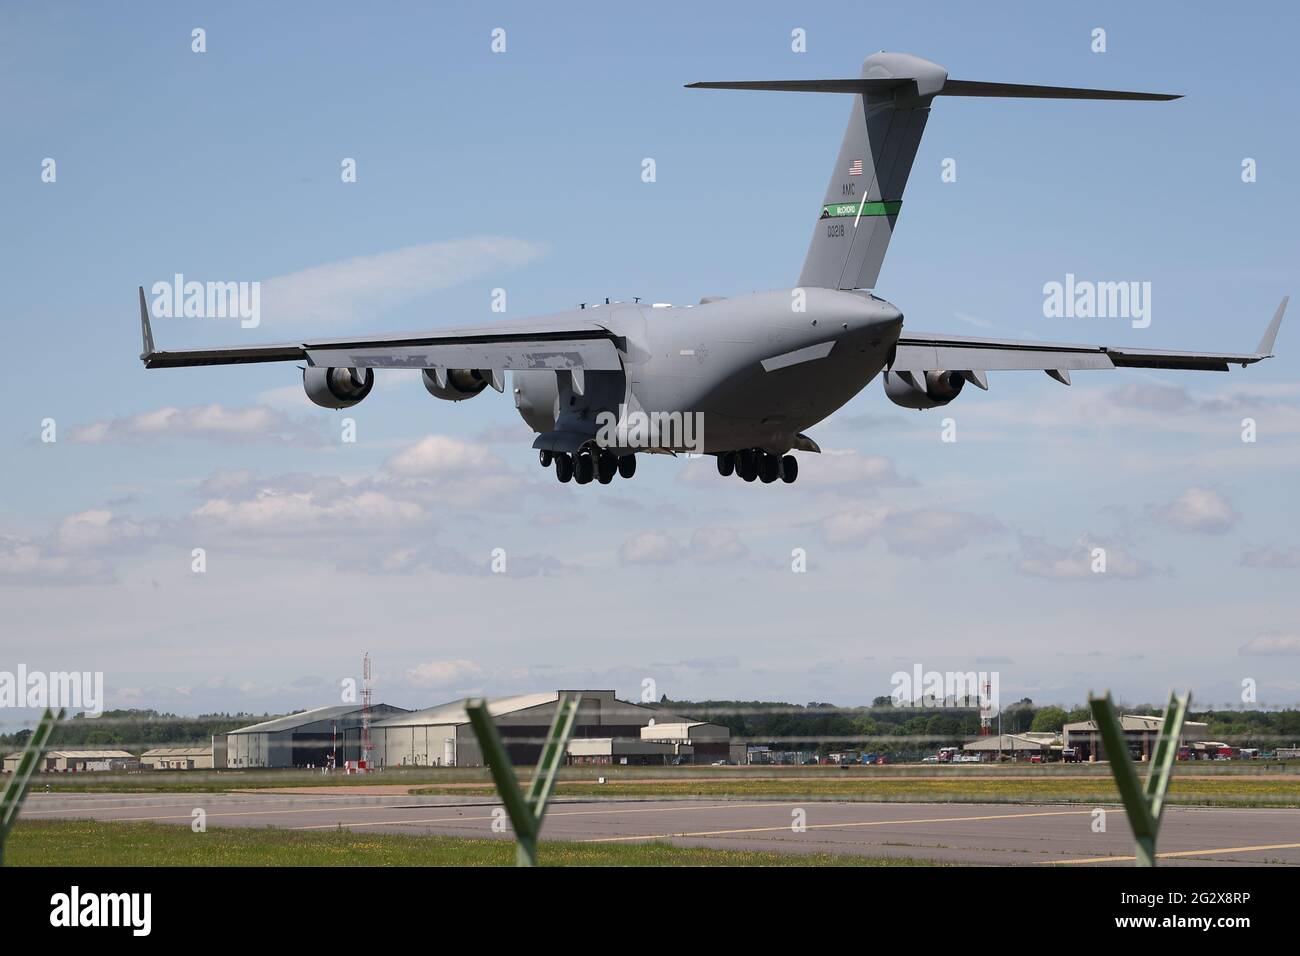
525 810
16 789
1142 805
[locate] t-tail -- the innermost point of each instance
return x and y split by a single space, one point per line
865 194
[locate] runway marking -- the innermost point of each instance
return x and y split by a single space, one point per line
550 813
1176 853
834 826
349 808
139 806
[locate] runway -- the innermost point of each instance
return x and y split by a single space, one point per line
997 834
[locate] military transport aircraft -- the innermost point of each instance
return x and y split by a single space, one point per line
740 378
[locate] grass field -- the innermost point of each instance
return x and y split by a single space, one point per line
1272 783
1208 791
1251 784
87 843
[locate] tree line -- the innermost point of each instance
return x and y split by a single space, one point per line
886 728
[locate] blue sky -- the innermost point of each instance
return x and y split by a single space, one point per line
225 165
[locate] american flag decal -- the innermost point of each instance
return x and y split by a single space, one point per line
855 168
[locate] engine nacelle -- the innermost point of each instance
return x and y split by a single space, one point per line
940 388
337 387
456 384
537 398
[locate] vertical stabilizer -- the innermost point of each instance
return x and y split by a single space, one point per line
865 194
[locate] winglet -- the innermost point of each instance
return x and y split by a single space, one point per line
1265 348
145 331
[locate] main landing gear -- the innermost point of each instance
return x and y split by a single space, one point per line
752 463
588 464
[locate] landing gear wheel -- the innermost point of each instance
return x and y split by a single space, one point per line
563 468
583 468
627 466
544 457
789 469
606 467
747 464
726 463
769 468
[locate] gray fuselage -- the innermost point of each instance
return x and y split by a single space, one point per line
756 370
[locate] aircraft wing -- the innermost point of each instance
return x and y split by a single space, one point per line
531 344
921 352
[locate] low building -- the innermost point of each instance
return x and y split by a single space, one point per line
1019 746
78 761
177 758
697 740
624 750
1140 734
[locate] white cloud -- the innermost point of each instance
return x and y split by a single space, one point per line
250 423
94 529
23 561
853 527
847 467
649 547
1038 559
1267 557
364 286
924 532
451 673
442 456
300 512
934 532
1201 510
1273 645
716 544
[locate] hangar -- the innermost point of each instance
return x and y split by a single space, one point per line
442 736
1140 733
305 739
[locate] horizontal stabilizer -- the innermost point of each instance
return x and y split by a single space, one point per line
1024 91
950 88
806 86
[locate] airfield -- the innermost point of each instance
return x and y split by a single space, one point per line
1254 820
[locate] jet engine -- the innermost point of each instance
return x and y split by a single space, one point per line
456 384
537 398
923 390
337 387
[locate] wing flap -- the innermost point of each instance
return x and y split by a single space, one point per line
926 353
556 343
923 352
595 353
